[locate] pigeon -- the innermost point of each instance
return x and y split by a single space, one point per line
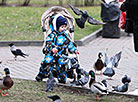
111 63
117 58
82 81
17 52
113 60
50 83
121 88
84 16
55 98
109 71
126 79
99 65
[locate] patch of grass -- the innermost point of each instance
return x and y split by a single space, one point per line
24 23
31 91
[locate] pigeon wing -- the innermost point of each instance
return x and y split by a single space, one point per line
75 10
106 61
117 58
19 52
94 21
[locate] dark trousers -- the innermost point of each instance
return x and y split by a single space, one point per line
135 32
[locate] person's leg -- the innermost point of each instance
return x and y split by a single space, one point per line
45 67
135 32
42 72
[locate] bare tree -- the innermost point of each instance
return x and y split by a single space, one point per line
60 2
46 2
88 2
26 2
3 2
76 2
68 1
92 2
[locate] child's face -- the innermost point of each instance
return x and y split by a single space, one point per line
62 27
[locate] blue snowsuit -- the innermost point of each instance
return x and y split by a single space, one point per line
55 61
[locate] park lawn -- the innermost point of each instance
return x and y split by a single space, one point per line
32 91
24 23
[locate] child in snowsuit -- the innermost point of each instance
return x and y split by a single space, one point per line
58 43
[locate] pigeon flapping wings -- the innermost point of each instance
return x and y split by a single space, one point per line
84 16
117 58
106 61
113 60
76 10
94 21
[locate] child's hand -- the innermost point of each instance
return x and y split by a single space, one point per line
76 52
54 50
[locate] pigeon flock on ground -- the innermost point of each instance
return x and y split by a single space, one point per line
85 77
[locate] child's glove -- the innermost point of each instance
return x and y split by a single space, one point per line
54 50
76 52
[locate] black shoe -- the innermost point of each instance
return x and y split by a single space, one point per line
78 76
62 81
38 78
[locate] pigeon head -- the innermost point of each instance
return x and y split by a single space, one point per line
54 98
6 71
11 44
126 79
92 74
86 13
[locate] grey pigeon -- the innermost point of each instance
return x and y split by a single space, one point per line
114 60
84 80
117 58
84 16
111 63
121 88
109 71
55 98
125 79
50 83
17 52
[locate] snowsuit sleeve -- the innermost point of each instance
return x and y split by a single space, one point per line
50 41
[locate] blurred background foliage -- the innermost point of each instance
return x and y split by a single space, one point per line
50 2
24 22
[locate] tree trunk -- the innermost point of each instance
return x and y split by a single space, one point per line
3 2
46 2
86 2
60 2
76 2
92 2
26 2
68 1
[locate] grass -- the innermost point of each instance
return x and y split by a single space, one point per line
24 23
31 91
